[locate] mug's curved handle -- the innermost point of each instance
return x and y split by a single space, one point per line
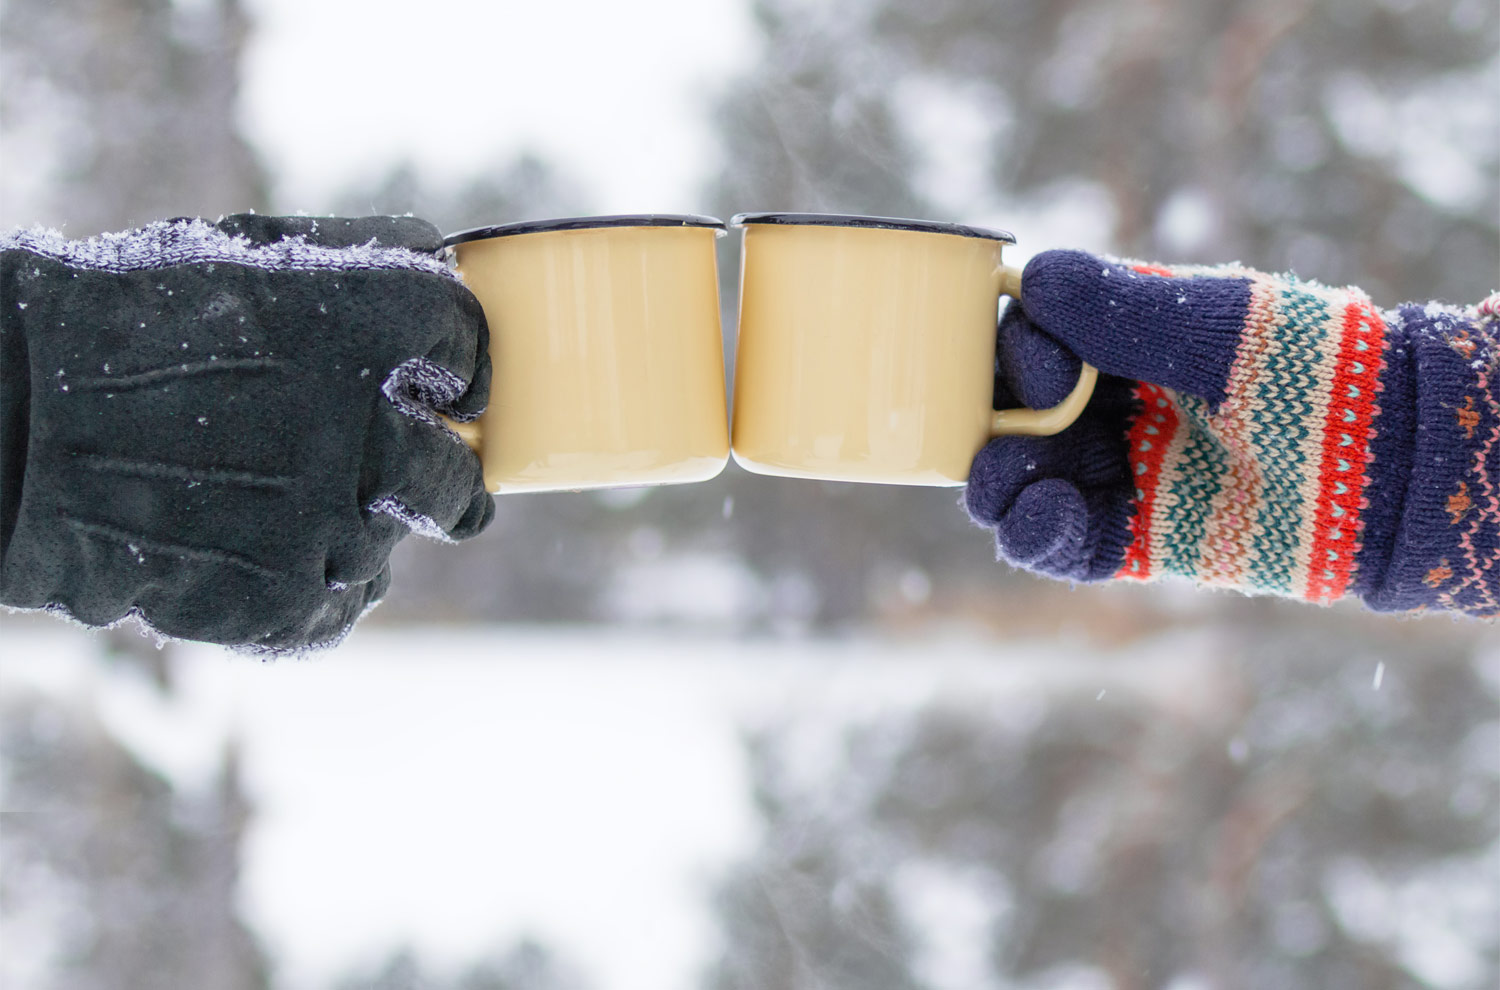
1040 422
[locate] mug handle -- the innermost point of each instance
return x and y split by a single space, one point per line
1040 422
467 432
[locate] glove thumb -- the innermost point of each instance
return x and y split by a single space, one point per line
1139 321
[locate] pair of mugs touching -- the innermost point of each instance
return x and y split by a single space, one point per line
866 350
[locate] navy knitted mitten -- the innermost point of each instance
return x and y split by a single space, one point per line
223 429
1250 431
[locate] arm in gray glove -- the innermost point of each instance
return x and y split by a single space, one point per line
223 429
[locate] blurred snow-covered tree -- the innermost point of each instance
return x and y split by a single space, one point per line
526 187
1285 816
813 126
118 112
525 965
1353 141
113 880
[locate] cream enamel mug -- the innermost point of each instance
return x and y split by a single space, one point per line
607 351
867 349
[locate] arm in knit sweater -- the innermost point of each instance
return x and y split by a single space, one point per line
1250 431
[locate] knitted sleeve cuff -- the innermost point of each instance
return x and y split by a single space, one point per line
1263 492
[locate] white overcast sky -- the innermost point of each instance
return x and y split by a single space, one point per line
617 94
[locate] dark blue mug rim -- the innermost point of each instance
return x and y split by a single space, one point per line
584 223
878 223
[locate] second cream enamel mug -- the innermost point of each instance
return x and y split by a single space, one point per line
867 349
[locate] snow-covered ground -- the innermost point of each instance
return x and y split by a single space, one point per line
455 789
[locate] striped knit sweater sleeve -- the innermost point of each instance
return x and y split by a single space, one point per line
1257 432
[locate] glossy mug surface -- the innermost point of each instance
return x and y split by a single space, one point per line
607 351
867 349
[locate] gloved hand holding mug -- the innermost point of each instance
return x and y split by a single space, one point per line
1250 431
223 429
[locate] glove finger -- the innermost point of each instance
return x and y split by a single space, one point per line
408 232
1045 528
359 557
375 590
1060 505
467 345
1033 369
1182 332
1091 454
423 475
1006 466
452 375
335 615
1060 530
286 614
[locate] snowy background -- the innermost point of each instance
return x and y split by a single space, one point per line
760 733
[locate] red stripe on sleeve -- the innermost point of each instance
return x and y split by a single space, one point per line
1149 436
1342 477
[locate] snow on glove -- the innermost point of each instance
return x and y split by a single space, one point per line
223 429
1250 431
